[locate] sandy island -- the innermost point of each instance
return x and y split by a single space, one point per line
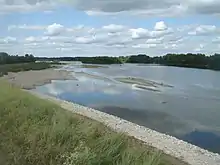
33 78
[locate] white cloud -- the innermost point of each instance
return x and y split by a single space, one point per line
32 39
171 46
8 41
93 39
55 29
154 40
205 30
84 40
59 40
26 27
160 30
161 33
144 46
112 28
140 33
160 26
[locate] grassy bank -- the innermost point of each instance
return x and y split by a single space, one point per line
4 69
37 132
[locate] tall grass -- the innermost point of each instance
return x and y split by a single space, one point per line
4 69
37 132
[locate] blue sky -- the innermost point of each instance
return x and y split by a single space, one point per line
109 27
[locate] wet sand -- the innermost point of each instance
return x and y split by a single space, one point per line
92 66
143 83
92 76
33 78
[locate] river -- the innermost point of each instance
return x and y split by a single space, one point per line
181 102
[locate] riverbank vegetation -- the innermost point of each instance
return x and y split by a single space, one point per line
5 58
9 63
87 60
4 69
180 60
36 131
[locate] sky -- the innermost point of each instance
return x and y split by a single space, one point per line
109 27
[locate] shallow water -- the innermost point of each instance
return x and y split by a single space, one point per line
188 107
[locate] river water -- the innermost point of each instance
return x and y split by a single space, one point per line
188 108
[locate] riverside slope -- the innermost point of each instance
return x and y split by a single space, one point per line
189 153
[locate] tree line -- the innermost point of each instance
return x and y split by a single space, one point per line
189 60
86 60
181 60
5 58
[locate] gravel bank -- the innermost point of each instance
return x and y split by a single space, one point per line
33 78
182 150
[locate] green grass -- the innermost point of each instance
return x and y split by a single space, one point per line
4 69
34 131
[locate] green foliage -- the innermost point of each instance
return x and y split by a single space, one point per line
123 59
99 60
90 60
10 63
180 60
139 59
4 69
34 131
214 62
186 60
87 60
7 59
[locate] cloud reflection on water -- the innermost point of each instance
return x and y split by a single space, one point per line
177 111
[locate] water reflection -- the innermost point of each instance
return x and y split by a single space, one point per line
192 104
158 121
208 140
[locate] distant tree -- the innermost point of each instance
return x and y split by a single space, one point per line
181 60
141 58
5 58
